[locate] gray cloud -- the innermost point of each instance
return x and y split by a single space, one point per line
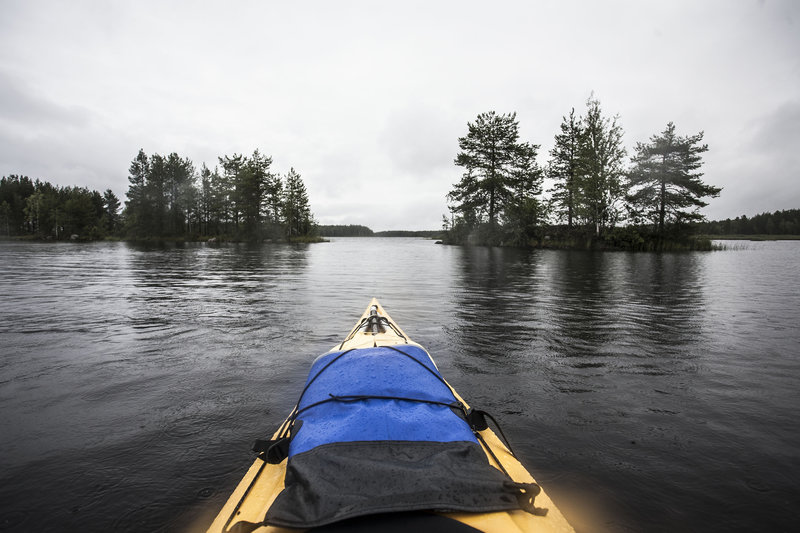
778 132
765 167
21 105
367 100
421 139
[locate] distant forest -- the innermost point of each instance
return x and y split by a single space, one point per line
778 223
410 233
341 230
166 199
352 230
42 210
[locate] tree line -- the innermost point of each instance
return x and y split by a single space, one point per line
166 199
597 197
342 230
785 222
43 210
355 230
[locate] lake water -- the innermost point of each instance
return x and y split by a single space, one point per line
645 392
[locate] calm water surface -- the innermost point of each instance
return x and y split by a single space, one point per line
645 392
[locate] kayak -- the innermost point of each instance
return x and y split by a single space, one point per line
380 441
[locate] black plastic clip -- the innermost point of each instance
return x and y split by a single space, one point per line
526 497
275 451
476 419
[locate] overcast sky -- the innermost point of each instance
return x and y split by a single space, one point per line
366 100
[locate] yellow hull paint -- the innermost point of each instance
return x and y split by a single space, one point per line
262 482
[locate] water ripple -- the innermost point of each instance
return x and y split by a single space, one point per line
138 375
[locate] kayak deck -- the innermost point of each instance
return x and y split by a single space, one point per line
374 328
263 482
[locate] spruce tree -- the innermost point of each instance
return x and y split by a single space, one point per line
296 208
136 204
563 168
110 212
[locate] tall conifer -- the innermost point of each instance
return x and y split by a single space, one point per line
490 155
296 208
563 168
665 185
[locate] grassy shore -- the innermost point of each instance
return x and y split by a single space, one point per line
754 237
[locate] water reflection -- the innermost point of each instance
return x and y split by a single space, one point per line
203 287
603 347
584 292
584 310
605 305
494 327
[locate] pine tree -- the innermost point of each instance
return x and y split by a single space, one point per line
219 204
665 180
254 186
205 201
488 154
156 197
524 212
231 174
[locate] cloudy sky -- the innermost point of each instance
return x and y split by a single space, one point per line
366 100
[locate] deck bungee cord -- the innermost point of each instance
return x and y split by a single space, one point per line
374 323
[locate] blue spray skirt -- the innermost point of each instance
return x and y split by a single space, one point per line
406 372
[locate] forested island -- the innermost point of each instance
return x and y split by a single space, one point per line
598 200
345 230
167 199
